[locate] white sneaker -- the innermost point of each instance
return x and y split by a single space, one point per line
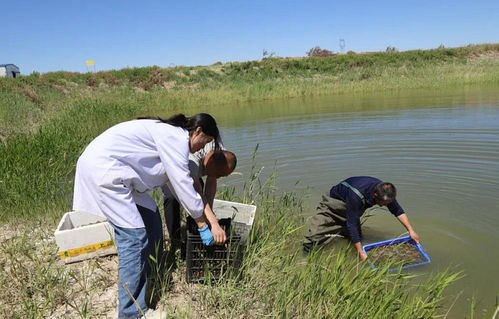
149 314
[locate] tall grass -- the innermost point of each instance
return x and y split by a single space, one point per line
276 279
37 170
37 97
279 281
47 119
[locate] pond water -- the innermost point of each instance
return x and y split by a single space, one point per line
439 147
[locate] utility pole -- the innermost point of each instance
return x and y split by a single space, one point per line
342 45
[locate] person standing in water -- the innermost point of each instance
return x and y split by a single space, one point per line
339 212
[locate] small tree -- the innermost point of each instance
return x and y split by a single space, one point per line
267 54
318 52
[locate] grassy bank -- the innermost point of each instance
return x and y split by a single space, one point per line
47 119
276 279
30 100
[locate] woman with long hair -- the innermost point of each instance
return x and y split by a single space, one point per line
114 176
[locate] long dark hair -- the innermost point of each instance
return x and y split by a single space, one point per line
204 120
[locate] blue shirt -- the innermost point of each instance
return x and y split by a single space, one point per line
355 205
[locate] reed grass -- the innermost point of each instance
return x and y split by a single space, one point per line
47 119
278 281
34 99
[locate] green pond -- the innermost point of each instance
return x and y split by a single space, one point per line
439 147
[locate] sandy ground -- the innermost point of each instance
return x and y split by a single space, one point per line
34 277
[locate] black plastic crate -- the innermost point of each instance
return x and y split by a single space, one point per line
205 263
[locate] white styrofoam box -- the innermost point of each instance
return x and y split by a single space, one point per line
242 215
81 236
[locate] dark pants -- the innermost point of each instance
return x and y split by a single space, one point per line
329 222
173 218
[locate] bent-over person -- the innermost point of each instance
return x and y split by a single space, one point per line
338 214
210 162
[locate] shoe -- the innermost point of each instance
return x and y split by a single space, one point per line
147 314
151 314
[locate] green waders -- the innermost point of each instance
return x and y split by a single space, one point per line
329 222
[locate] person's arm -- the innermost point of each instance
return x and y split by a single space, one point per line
404 220
172 145
210 189
217 231
353 224
398 212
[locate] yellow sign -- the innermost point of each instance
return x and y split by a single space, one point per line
90 62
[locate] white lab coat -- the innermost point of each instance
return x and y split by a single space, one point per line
196 167
120 167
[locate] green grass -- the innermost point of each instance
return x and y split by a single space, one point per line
276 280
279 281
39 97
47 119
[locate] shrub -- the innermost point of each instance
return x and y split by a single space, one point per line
318 52
391 49
268 55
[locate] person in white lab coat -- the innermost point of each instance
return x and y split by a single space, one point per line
114 176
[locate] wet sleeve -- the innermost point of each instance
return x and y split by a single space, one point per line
354 207
173 148
395 208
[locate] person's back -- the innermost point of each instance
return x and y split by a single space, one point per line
364 184
133 150
340 212
138 155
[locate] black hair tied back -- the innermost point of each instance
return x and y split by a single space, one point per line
204 120
179 120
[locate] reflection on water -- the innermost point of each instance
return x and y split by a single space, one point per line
440 148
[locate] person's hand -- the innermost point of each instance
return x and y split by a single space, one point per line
218 234
414 236
362 255
206 235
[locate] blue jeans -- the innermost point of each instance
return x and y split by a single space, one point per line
134 247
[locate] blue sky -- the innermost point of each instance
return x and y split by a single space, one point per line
49 35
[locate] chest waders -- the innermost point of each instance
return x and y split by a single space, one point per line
330 221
